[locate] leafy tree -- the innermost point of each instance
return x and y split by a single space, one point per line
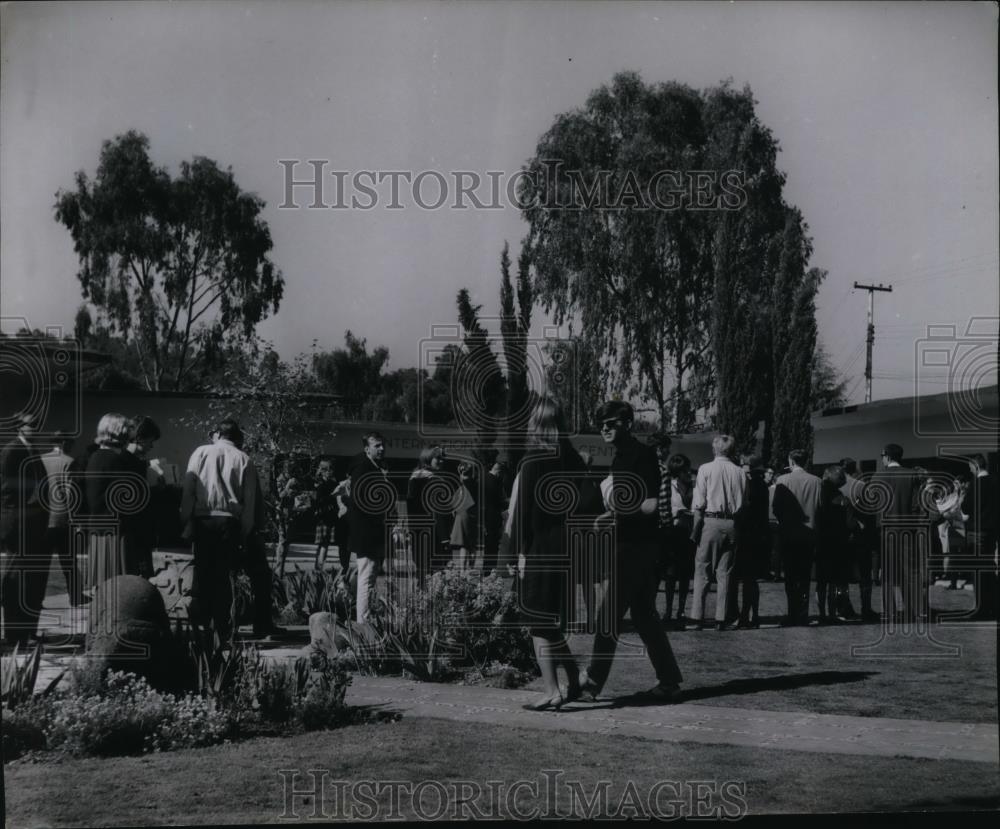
828 392
478 387
689 309
631 278
793 378
514 326
175 266
352 373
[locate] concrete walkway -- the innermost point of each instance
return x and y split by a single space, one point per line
687 722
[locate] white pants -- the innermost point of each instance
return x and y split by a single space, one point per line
367 573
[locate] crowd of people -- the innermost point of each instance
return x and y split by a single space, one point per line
731 523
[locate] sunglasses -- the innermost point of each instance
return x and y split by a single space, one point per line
614 423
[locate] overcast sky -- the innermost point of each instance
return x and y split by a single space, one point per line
886 115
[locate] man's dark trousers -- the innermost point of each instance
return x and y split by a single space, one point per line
633 588
798 546
216 555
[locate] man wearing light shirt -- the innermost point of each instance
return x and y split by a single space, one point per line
219 504
718 495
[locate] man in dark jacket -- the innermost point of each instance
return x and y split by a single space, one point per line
23 524
632 509
980 505
796 501
367 506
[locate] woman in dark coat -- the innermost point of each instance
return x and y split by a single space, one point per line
832 544
113 493
427 498
547 490
753 542
140 527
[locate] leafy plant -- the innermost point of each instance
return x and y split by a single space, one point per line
18 677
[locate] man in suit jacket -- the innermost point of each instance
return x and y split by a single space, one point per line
900 523
980 505
367 507
796 500
23 524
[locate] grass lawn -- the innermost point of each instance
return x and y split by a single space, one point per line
810 670
240 783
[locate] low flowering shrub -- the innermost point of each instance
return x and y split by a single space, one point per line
131 718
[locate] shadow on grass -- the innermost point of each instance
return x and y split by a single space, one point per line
783 682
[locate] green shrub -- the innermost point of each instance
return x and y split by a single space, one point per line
323 703
132 718
458 619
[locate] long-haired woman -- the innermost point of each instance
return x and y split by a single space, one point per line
547 492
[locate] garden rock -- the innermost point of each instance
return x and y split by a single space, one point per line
327 635
130 631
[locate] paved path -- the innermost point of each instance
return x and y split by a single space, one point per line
687 722
684 722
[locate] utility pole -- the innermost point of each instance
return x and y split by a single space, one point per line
871 332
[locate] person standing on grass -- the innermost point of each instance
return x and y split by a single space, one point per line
979 504
833 525
897 489
753 543
862 541
60 470
371 498
719 491
219 504
681 498
632 511
796 500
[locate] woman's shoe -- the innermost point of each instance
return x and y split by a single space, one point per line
548 704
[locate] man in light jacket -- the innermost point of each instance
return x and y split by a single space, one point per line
219 505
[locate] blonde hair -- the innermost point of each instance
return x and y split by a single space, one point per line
546 425
113 429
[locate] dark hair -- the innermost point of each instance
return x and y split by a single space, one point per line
63 439
678 464
367 436
660 440
798 457
834 475
893 451
979 460
754 461
849 464
229 429
143 428
618 409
